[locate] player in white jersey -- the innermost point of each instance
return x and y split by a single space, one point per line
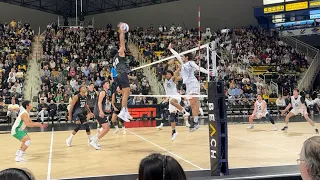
260 110
170 86
298 107
187 70
23 120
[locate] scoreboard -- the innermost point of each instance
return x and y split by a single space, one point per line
276 6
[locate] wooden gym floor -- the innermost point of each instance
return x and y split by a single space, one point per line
121 154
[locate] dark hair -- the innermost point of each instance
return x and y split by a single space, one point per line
17 174
190 56
171 72
103 82
160 167
25 103
113 52
296 89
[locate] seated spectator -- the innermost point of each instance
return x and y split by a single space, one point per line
273 94
281 103
42 109
62 109
309 164
13 110
16 174
52 109
160 167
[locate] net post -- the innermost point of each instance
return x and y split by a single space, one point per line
218 129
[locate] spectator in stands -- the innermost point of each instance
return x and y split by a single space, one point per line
13 110
309 160
62 109
52 109
273 94
16 174
42 110
160 167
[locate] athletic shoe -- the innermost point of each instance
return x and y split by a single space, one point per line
186 114
123 115
284 128
250 127
95 145
116 131
17 153
187 125
69 141
20 159
194 127
275 128
317 131
160 126
90 141
174 136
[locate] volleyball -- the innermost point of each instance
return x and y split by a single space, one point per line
125 27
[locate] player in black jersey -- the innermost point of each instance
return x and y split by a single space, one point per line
92 95
99 109
78 113
122 79
116 105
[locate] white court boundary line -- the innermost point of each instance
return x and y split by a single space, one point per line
262 144
166 150
50 156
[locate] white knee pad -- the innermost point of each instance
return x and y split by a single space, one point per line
27 143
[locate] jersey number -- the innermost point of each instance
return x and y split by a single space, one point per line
259 107
296 104
82 104
116 62
169 85
92 96
118 101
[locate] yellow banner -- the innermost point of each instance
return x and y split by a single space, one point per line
313 4
273 9
297 6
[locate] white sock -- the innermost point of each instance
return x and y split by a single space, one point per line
89 137
117 127
20 154
71 136
161 124
195 119
123 128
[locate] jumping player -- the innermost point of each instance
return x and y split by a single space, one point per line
192 85
298 107
170 87
116 105
78 113
122 79
23 120
260 110
99 110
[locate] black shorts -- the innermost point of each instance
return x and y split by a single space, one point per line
91 109
101 120
82 117
122 80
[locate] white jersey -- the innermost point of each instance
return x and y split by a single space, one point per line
296 103
187 72
170 87
19 124
259 107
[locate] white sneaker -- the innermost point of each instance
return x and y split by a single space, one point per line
90 141
186 114
187 125
250 127
17 153
122 115
95 145
20 159
275 128
68 142
160 126
116 131
174 136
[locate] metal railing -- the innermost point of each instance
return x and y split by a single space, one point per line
274 87
313 59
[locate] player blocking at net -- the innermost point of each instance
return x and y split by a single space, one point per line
187 70
260 110
122 68
23 120
171 79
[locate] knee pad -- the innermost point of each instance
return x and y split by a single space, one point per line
27 143
87 127
77 128
172 117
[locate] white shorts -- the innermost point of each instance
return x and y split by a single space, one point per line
256 116
299 111
192 88
172 108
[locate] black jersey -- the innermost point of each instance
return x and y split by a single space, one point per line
118 100
96 107
80 105
121 64
92 98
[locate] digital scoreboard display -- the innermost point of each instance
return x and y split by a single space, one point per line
297 6
273 9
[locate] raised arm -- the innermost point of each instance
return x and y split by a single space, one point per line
122 41
175 54
201 69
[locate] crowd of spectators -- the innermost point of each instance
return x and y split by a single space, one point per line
15 48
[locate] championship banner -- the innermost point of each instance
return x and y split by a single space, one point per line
214 130
144 111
